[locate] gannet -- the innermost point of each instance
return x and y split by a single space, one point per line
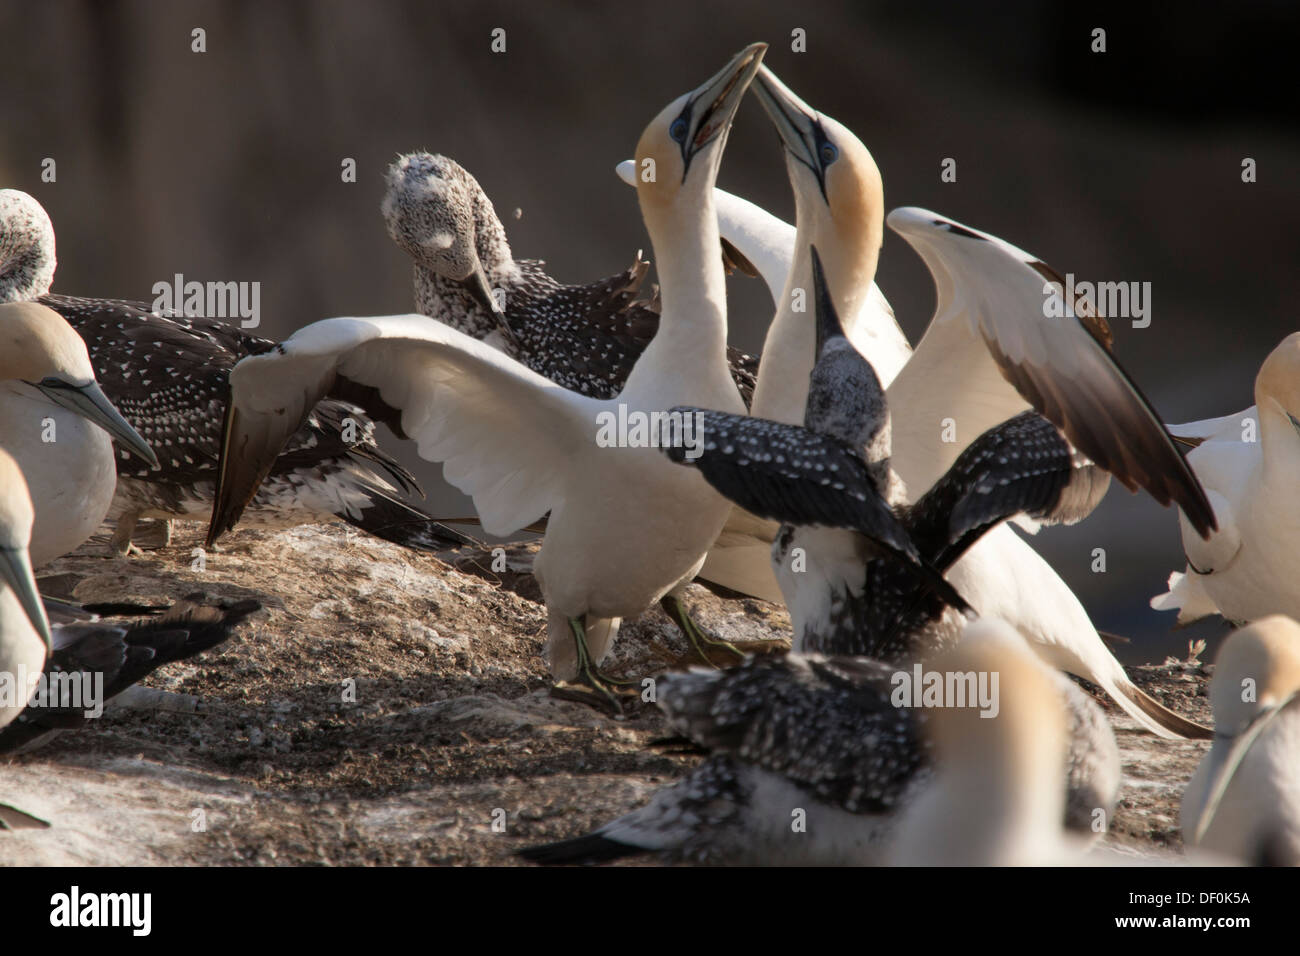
24 629
813 759
585 338
56 422
1243 802
991 299
996 797
1247 463
103 659
627 527
850 551
169 377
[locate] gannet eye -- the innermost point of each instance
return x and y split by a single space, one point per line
678 130
829 153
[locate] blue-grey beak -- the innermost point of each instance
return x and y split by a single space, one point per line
90 402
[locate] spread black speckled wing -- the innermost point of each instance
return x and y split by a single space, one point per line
1024 466
791 474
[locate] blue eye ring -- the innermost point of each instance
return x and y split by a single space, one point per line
828 153
678 130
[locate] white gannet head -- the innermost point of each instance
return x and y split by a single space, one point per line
439 215
27 258
1257 670
681 149
38 347
1277 386
839 196
16 517
999 791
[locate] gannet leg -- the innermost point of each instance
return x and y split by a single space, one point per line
156 533
122 534
701 641
602 691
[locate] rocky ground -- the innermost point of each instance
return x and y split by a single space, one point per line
453 750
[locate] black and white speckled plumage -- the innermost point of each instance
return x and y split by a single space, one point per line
860 591
168 375
124 654
789 733
1022 467
814 734
583 337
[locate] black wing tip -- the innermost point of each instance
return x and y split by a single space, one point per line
591 848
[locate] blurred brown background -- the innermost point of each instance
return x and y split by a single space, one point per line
1118 166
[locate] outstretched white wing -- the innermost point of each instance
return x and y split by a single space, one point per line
507 436
1002 340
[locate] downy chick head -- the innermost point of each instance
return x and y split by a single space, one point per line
438 214
27 259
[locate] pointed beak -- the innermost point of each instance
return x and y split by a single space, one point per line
795 121
715 102
828 320
90 402
1244 740
16 571
480 288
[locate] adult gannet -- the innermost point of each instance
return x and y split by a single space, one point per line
585 338
626 527
996 797
814 759
1247 463
56 422
169 377
91 662
24 628
1243 802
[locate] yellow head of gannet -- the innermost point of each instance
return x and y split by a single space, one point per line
38 347
16 516
999 791
1277 387
839 196
1267 654
681 148
1244 800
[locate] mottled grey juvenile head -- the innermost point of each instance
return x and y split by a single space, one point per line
26 247
845 399
438 214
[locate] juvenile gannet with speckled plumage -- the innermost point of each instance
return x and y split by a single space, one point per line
627 528
168 375
56 422
583 337
1243 802
813 761
1248 463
